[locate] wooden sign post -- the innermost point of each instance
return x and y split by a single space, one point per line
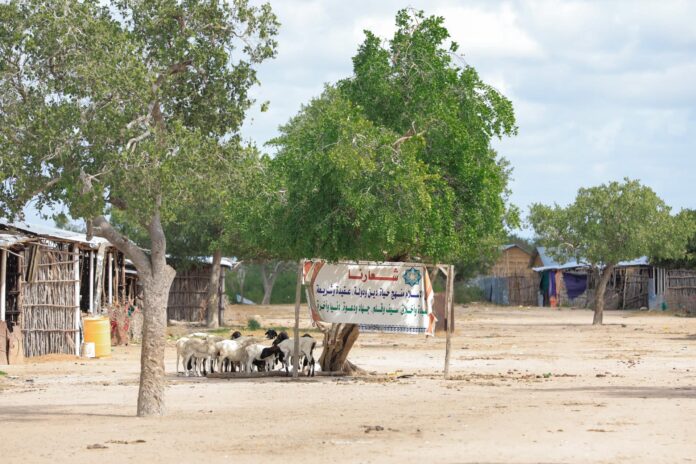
296 332
449 316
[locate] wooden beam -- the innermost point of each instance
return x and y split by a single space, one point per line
99 276
296 331
3 282
78 320
221 303
91 282
449 319
111 279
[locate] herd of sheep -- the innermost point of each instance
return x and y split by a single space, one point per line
200 353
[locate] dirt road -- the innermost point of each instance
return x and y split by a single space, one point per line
532 385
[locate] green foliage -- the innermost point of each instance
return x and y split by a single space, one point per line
526 244
687 219
62 221
253 324
464 293
124 103
395 162
613 222
283 290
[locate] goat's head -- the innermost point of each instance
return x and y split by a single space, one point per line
271 334
281 336
236 334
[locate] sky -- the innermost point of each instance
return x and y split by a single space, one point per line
601 90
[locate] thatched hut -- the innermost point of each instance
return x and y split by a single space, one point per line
49 277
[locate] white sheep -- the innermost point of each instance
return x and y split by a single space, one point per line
180 344
234 351
197 349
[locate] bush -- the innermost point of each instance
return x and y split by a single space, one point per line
464 293
253 324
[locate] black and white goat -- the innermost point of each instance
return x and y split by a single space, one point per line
287 349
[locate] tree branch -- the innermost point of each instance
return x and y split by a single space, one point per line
118 203
409 134
103 228
171 70
43 188
135 140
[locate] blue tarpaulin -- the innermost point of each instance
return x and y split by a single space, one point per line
495 289
575 284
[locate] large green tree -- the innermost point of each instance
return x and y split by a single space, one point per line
607 224
124 105
394 162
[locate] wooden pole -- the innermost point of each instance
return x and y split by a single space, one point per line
123 278
3 281
221 303
296 332
76 274
99 276
91 282
448 317
111 279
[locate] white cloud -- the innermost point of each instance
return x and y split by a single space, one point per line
489 32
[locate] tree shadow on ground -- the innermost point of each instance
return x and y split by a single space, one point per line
41 412
631 392
685 337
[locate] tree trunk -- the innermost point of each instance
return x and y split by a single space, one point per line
338 342
156 277
599 295
152 380
241 276
269 279
211 319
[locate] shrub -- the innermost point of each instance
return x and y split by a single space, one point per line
253 324
464 293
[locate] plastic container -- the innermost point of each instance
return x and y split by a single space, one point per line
88 350
98 331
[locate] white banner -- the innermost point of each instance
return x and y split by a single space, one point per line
392 297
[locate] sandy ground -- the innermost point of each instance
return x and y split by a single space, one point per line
532 385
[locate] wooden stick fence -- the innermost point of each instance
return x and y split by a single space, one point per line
48 301
188 296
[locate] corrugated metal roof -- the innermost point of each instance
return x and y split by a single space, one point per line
9 239
230 263
546 260
642 261
53 233
225 262
550 263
